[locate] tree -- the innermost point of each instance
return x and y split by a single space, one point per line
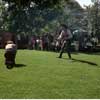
96 16
27 3
38 16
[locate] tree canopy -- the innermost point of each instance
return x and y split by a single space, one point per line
42 16
40 3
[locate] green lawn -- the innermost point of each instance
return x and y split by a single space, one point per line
43 75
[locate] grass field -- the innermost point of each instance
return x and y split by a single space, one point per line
42 75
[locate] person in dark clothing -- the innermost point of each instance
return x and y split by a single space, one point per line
66 38
10 54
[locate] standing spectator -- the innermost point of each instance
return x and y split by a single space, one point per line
33 42
41 43
38 43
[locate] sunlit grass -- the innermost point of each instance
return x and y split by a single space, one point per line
43 75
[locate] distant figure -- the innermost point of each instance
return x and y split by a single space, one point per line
41 43
65 37
33 42
10 54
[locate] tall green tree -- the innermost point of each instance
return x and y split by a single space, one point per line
38 16
95 13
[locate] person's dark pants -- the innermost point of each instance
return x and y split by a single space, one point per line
67 45
10 57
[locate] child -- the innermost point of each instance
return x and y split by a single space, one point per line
10 53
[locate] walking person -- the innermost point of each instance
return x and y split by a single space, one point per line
65 37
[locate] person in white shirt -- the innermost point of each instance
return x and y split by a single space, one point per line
10 52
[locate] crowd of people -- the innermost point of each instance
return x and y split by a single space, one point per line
46 42
43 42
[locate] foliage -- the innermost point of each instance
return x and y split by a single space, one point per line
31 19
26 3
93 18
39 19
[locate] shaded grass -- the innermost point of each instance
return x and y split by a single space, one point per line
42 75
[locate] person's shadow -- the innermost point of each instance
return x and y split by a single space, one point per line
83 61
19 65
